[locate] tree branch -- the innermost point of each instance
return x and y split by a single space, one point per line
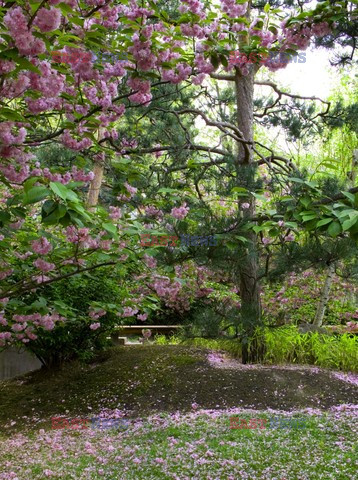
229 78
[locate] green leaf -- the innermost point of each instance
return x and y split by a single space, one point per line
110 227
63 192
59 189
334 229
55 215
258 228
349 223
242 239
351 213
29 183
291 224
4 216
305 201
35 194
49 206
296 180
224 61
239 189
350 196
168 190
215 61
22 62
10 114
267 8
306 218
27 65
324 222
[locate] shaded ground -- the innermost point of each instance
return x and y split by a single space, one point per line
145 379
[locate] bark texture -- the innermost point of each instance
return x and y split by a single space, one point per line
249 285
321 309
96 184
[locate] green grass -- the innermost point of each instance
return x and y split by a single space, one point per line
198 446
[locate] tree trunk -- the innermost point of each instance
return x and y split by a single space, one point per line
324 297
353 173
249 285
96 184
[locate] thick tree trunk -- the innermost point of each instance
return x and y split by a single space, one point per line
249 285
324 297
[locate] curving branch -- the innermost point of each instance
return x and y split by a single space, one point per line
280 94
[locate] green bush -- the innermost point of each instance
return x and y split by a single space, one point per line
73 299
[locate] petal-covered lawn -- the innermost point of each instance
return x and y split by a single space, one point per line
178 402
197 445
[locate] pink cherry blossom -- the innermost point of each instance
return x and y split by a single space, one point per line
48 20
95 326
181 212
41 246
43 265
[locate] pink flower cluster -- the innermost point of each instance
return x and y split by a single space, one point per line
141 90
95 326
49 83
82 236
96 314
115 213
149 261
232 9
131 190
129 312
181 73
7 137
181 212
193 6
43 265
23 326
152 211
141 50
47 19
27 44
146 333
6 66
170 292
41 246
5 273
70 142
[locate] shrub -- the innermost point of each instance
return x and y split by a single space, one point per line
73 299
